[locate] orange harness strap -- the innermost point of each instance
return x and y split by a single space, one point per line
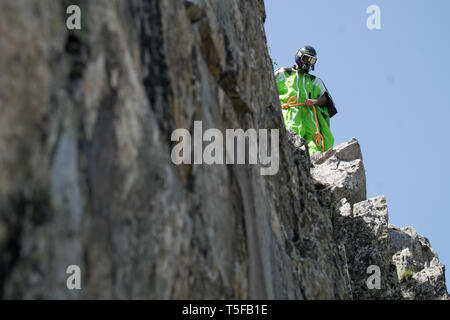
318 138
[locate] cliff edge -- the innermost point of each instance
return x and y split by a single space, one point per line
86 176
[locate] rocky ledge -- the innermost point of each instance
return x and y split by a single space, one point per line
408 266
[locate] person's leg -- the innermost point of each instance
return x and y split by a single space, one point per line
324 126
313 148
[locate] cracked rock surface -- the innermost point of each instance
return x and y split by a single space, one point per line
409 268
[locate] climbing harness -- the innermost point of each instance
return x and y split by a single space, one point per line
318 138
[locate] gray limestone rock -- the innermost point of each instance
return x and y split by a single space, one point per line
364 234
342 168
420 273
409 267
86 176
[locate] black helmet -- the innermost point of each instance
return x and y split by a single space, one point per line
305 58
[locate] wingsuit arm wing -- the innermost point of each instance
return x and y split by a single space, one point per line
325 97
282 84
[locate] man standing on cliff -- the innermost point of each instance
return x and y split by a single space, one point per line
310 119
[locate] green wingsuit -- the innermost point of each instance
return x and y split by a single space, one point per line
301 119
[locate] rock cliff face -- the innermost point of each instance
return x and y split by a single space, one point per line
86 176
408 266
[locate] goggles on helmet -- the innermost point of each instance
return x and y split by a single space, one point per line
309 60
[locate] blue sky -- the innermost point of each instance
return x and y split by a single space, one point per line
391 88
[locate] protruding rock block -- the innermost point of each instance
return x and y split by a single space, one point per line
420 273
342 168
364 234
